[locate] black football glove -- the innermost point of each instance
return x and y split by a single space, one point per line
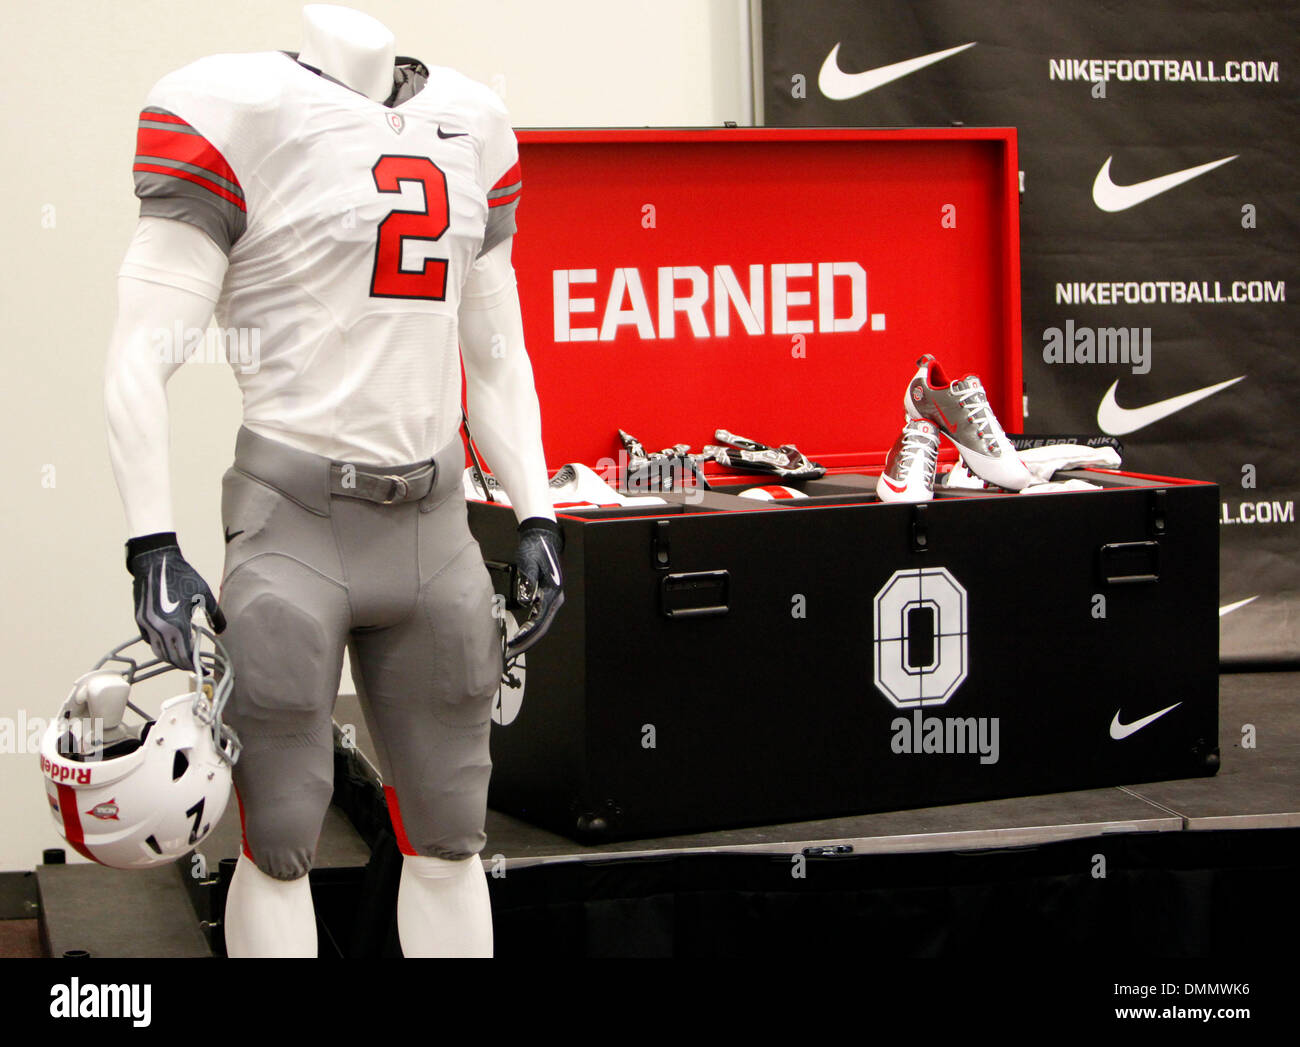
671 469
750 456
537 581
167 589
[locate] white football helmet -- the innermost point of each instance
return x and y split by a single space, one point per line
134 796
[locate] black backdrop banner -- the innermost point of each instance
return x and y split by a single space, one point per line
1159 221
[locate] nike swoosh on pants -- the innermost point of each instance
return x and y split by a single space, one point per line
1116 421
838 85
1111 197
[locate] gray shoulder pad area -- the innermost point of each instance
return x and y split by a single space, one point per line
180 175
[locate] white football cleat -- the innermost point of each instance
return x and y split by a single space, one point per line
908 475
962 413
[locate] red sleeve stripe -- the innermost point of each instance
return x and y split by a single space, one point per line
164 136
509 178
187 148
502 200
161 116
199 180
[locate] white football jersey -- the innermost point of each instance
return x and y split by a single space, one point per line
350 227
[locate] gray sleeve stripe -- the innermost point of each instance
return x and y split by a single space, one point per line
501 224
505 190
202 172
180 129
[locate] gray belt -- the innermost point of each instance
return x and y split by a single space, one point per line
387 488
311 480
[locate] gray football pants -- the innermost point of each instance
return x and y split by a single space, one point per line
404 586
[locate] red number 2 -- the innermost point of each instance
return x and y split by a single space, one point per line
389 279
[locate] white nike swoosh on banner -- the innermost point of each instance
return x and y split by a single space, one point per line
1120 731
167 605
1229 608
838 85
1111 197
1116 421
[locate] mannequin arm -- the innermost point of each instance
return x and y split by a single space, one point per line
500 395
169 281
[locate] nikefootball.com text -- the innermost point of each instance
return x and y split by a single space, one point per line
1169 70
1257 512
1179 292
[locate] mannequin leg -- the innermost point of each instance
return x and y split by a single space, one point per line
426 684
443 908
268 917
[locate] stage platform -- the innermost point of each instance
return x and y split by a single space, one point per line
1255 789
655 897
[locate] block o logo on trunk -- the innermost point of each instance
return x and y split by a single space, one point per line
920 637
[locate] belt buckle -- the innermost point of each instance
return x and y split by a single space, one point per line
400 490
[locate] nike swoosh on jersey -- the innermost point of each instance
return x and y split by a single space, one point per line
1111 197
1230 607
1116 421
838 85
1120 731
168 605
451 134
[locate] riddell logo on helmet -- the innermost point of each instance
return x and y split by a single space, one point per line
64 773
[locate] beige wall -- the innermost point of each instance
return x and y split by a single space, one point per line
75 74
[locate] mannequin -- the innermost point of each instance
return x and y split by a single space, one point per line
174 273
349 46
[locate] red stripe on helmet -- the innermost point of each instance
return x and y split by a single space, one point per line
72 830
